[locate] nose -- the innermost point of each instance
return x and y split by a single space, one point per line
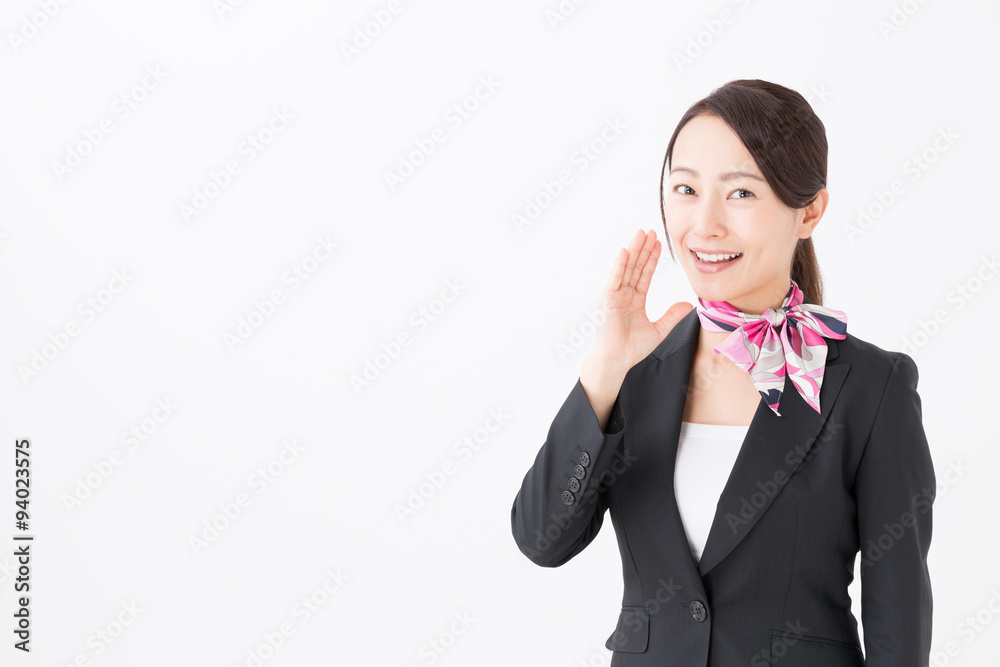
709 218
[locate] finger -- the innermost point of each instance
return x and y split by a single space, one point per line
642 286
633 255
617 271
648 239
674 314
666 324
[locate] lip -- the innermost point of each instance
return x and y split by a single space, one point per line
707 267
714 252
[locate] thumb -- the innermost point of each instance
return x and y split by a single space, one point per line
674 314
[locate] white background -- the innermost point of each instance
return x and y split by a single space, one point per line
189 280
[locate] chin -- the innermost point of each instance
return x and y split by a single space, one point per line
710 290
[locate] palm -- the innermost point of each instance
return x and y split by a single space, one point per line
627 335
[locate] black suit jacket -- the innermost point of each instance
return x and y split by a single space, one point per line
808 491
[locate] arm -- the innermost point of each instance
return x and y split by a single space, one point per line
895 488
549 527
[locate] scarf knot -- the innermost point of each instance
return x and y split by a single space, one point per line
788 341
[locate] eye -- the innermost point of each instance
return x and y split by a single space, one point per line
750 194
682 186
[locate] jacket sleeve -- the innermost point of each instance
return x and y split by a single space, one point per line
895 488
552 523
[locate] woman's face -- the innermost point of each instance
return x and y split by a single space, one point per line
717 201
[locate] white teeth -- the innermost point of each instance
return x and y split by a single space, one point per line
715 258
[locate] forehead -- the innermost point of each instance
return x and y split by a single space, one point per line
708 146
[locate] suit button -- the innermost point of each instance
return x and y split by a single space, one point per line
567 497
698 611
574 484
579 471
585 460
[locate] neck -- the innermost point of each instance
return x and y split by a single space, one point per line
756 304
708 340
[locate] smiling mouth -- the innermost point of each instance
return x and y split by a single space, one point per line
716 259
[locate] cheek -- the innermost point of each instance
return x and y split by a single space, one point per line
763 233
675 216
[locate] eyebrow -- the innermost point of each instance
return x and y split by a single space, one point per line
725 176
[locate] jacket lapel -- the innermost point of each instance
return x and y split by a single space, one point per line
655 420
771 453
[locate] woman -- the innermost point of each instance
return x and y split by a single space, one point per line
749 448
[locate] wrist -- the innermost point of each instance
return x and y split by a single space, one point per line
603 372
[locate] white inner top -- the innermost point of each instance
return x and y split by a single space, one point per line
705 457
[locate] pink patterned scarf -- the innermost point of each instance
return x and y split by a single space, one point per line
798 348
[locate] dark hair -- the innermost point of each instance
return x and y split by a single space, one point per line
787 141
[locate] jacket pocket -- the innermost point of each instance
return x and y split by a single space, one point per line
789 649
632 633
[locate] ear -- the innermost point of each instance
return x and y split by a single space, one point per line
810 216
